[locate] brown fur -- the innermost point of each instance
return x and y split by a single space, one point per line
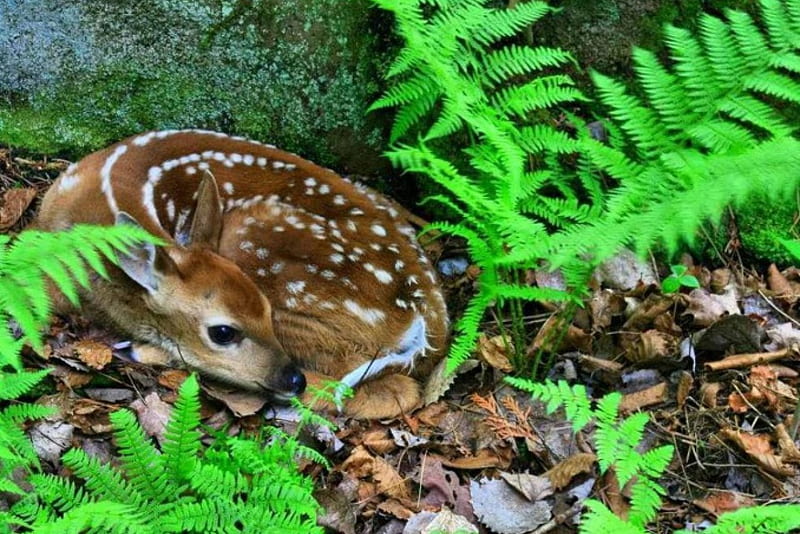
316 268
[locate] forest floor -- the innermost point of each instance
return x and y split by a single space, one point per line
716 369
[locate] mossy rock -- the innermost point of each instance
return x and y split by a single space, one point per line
762 223
602 34
296 74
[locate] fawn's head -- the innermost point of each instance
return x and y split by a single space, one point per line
208 314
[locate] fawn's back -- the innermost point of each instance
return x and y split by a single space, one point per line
349 293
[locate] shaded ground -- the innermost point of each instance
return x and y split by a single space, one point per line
484 456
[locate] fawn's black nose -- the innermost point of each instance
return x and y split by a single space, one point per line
294 380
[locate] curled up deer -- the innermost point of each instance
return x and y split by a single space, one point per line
275 270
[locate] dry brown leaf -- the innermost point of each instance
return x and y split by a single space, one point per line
720 278
13 204
779 285
685 383
666 323
645 313
604 306
241 403
495 351
153 414
69 378
93 353
646 397
649 346
719 502
773 464
361 464
447 522
612 494
564 471
737 403
703 309
789 451
395 508
172 378
484 459
708 394
378 441
751 444
533 487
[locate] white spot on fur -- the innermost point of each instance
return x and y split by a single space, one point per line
398 265
401 304
278 164
351 226
309 192
310 182
228 187
337 258
337 247
261 272
171 210
324 189
328 274
191 169
377 229
383 276
278 229
262 253
291 302
375 246
236 158
105 175
356 211
325 305
68 181
276 267
203 166
311 268
309 299
246 245
296 287
262 161
248 159
368 315
339 200
412 280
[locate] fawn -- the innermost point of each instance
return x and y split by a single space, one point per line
274 268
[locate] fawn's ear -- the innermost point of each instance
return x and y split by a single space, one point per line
144 263
206 225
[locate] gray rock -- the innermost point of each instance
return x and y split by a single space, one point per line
78 75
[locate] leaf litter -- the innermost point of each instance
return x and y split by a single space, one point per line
716 368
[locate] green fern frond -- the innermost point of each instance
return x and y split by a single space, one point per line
13 385
143 464
600 520
181 437
102 480
775 519
60 256
106 517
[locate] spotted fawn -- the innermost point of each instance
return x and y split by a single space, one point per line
275 269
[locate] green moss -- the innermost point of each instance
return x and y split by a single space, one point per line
762 223
296 74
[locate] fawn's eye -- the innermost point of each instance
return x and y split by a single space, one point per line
224 334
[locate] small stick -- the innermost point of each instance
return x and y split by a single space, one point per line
747 360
